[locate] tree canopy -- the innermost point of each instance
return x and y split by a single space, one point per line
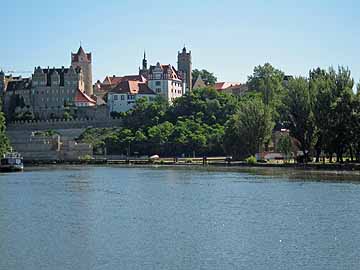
208 77
248 129
321 114
4 142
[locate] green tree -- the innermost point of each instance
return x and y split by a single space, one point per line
333 110
208 77
205 104
356 126
159 136
4 142
249 129
299 104
342 111
285 146
269 82
146 114
188 137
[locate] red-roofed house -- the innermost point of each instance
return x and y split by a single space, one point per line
83 100
114 80
223 85
234 88
123 97
102 88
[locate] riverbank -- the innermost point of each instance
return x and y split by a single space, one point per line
205 163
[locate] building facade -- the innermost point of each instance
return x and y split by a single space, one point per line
4 81
47 93
164 80
50 91
123 97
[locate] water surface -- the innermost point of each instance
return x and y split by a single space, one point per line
151 218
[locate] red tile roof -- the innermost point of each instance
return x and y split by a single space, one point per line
82 97
116 80
75 56
132 87
223 85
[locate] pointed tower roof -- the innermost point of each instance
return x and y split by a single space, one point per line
81 50
75 57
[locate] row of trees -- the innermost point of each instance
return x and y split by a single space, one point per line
322 113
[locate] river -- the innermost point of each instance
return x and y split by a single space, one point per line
106 218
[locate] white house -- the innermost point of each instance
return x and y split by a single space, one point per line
165 80
123 97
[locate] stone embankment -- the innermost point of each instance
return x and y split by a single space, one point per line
21 135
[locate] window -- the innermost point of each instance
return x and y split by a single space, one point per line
157 83
115 97
158 90
122 97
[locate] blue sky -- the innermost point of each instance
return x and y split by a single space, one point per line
226 37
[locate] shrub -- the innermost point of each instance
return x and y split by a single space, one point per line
251 160
86 158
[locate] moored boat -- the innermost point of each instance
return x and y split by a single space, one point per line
11 162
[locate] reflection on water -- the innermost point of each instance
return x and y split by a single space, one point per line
184 218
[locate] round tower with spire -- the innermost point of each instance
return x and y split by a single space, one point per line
83 60
185 67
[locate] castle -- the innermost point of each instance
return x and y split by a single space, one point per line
50 92
54 93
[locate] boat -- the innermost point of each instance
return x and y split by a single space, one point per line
11 162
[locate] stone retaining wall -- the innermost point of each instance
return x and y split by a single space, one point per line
62 124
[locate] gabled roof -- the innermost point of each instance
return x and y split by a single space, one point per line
223 85
198 82
132 87
117 79
144 89
166 70
82 97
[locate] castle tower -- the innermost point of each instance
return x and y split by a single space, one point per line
185 67
84 61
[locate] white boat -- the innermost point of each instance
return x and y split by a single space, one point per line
11 162
154 157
